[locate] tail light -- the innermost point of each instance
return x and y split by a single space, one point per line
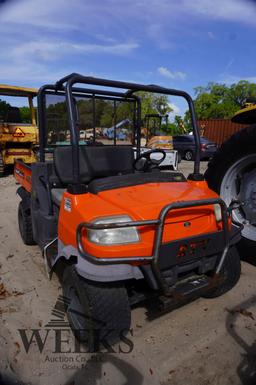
203 147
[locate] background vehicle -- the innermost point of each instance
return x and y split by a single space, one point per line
120 134
154 137
120 230
17 139
232 173
185 145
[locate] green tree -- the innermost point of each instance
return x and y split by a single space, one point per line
26 114
218 101
105 113
154 103
3 109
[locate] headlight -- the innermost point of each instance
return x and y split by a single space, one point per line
218 213
114 236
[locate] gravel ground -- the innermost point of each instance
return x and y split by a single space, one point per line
204 342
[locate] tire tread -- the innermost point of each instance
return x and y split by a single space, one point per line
108 303
237 146
27 237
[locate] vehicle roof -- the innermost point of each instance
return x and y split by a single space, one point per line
9 90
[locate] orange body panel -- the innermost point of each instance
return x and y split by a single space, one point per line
142 202
22 174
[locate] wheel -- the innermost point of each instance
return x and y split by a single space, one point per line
230 274
188 155
232 174
1 166
25 225
97 312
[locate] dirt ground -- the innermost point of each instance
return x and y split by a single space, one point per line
203 342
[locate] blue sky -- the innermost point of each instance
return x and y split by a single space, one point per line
174 43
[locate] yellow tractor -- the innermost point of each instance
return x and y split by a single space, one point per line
17 138
155 137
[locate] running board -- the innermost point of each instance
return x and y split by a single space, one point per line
184 291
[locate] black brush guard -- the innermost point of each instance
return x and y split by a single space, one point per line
159 224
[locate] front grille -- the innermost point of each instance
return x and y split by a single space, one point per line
187 250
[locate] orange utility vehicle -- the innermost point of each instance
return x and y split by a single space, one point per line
121 229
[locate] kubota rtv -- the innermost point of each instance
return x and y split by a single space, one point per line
121 229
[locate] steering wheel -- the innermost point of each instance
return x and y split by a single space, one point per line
146 163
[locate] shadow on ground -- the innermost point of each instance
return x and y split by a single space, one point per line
246 370
5 380
94 371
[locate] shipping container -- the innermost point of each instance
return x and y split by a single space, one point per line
218 130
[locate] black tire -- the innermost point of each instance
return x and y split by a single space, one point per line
230 274
25 224
1 166
188 155
236 147
102 309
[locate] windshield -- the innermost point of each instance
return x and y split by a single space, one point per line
15 110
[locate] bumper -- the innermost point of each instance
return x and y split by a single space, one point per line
169 255
191 250
27 156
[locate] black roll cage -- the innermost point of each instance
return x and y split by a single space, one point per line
65 86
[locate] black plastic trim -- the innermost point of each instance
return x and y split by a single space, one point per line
128 180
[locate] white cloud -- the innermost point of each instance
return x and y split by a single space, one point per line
231 10
60 13
44 38
29 74
171 74
39 36
46 13
48 50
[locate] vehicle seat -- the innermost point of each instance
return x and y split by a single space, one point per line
95 162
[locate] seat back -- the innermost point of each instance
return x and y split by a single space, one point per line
95 162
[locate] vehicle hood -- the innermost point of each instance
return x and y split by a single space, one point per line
146 201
